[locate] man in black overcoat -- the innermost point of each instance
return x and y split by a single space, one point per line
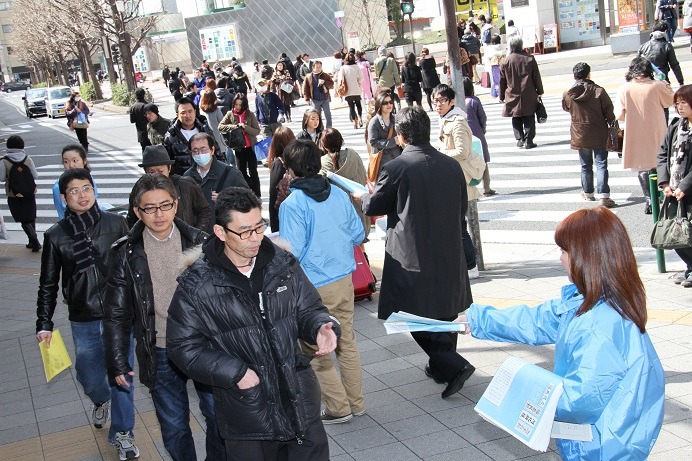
424 196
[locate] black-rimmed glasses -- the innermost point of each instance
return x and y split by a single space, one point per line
154 209
248 233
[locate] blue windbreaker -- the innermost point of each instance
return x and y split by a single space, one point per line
321 234
612 376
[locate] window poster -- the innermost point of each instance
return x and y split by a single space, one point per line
578 20
219 43
139 59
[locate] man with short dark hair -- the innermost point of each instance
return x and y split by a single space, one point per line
138 117
210 174
76 250
316 88
321 225
661 53
192 207
423 191
591 112
152 250
268 108
157 126
234 324
177 137
199 80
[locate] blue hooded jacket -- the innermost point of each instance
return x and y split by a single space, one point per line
612 376
322 227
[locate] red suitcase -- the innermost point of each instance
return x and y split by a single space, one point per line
364 284
485 80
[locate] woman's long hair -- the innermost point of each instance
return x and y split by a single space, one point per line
602 263
282 138
208 102
306 117
639 67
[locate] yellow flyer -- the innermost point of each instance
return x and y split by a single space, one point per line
55 357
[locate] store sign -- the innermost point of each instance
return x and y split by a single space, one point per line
578 20
219 43
516 3
140 62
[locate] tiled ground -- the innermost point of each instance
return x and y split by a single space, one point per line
406 419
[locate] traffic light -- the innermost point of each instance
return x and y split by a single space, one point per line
115 53
407 6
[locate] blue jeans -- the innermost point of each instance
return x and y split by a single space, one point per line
90 364
586 156
319 106
672 27
230 156
173 412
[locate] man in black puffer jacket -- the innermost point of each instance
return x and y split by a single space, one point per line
141 283
234 324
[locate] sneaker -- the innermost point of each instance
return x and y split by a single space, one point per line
586 196
687 283
520 143
329 419
607 202
679 278
358 413
473 273
100 414
125 446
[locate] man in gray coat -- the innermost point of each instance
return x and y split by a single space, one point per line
424 196
520 88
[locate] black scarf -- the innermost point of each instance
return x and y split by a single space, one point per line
79 227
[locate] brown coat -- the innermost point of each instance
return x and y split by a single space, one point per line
641 103
520 85
307 85
591 110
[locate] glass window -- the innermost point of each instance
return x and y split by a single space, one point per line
60 93
36 93
4 6
6 28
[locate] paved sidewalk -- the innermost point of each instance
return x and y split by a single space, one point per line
405 417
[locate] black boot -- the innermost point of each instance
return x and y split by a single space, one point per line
30 231
644 183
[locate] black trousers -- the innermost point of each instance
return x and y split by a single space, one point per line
442 350
314 448
82 137
144 142
524 128
247 164
355 109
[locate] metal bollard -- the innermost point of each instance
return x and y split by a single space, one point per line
655 211
475 232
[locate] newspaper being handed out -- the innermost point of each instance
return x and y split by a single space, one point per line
403 322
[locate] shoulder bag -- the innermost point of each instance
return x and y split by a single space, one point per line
376 159
615 137
541 113
671 233
234 139
287 87
80 121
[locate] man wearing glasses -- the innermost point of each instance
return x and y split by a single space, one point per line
140 286
234 324
210 174
78 248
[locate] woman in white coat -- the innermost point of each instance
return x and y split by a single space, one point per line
350 73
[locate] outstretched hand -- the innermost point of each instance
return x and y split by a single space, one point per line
326 339
463 320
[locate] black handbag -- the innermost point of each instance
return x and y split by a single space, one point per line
671 233
615 137
541 113
235 139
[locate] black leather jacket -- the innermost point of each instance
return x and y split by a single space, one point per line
129 298
662 54
216 332
82 291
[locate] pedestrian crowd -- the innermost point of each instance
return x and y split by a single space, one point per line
189 283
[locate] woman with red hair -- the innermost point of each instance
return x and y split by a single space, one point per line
613 379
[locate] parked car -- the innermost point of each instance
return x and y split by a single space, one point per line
35 101
56 101
9 87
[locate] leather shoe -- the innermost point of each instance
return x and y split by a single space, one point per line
457 383
530 145
434 376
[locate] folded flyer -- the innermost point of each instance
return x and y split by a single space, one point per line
521 399
346 184
403 322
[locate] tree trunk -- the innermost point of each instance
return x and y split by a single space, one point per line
90 71
64 73
128 67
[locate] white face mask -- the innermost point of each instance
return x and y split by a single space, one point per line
77 99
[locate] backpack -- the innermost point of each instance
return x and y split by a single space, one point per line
21 180
486 36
